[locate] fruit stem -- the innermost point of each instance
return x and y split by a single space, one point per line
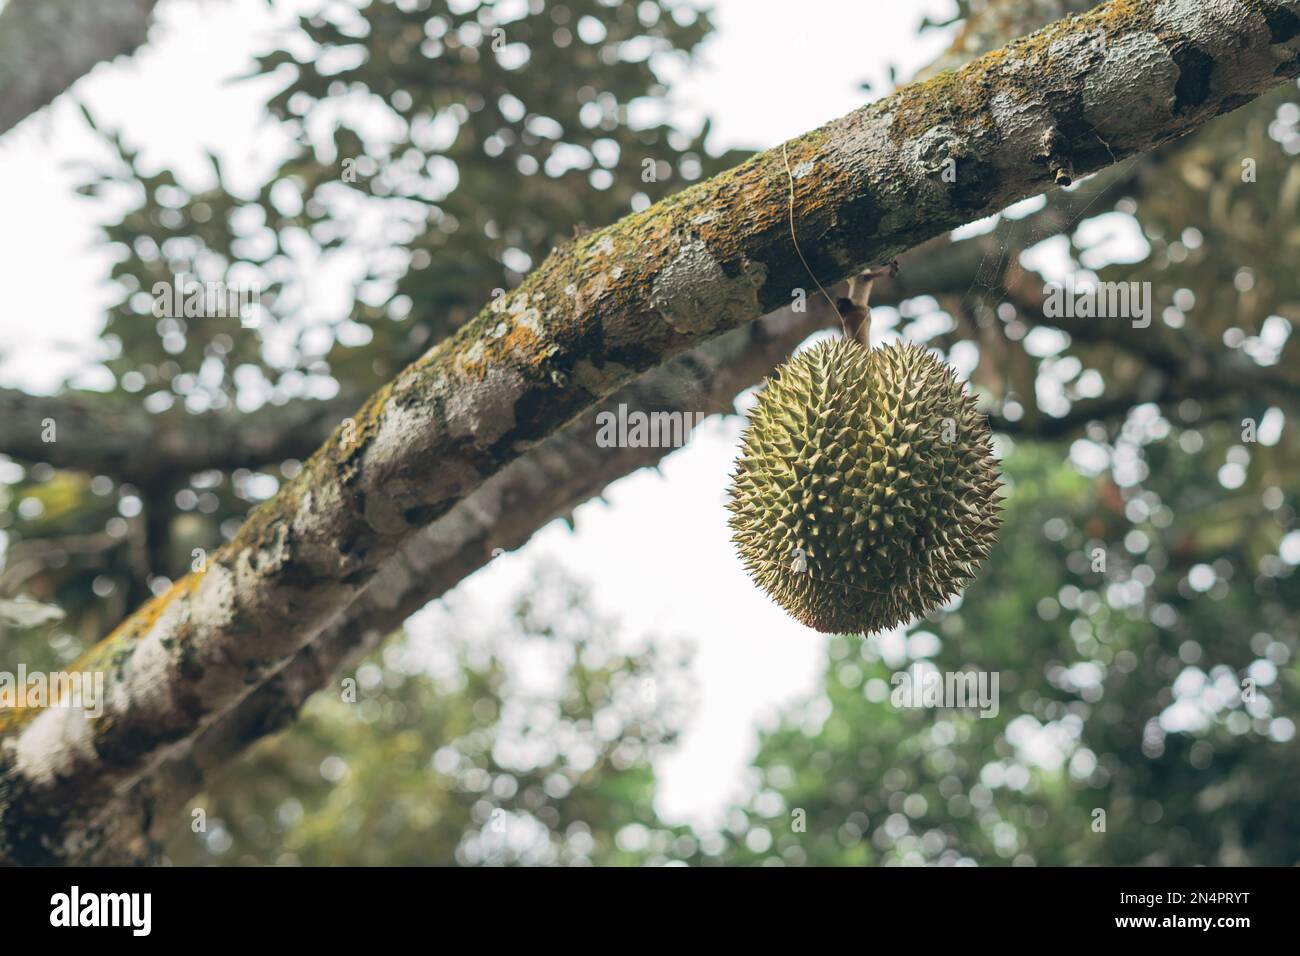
855 311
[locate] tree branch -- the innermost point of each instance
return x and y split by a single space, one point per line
616 303
47 45
504 513
113 435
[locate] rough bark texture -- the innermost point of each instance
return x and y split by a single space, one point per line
618 302
994 22
47 45
548 482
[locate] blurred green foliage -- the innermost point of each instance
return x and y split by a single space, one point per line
529 744
1124 734
430 154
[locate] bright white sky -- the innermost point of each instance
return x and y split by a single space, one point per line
658 555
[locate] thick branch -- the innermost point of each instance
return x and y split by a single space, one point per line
117 436
620 301
47 45
548 482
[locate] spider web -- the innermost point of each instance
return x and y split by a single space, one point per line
1011 237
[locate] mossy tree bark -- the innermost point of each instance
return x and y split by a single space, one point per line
1080 95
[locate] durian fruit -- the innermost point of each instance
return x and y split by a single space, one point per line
865 492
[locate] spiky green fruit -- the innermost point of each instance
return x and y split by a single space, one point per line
865 492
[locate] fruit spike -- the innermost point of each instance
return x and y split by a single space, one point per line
873 469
